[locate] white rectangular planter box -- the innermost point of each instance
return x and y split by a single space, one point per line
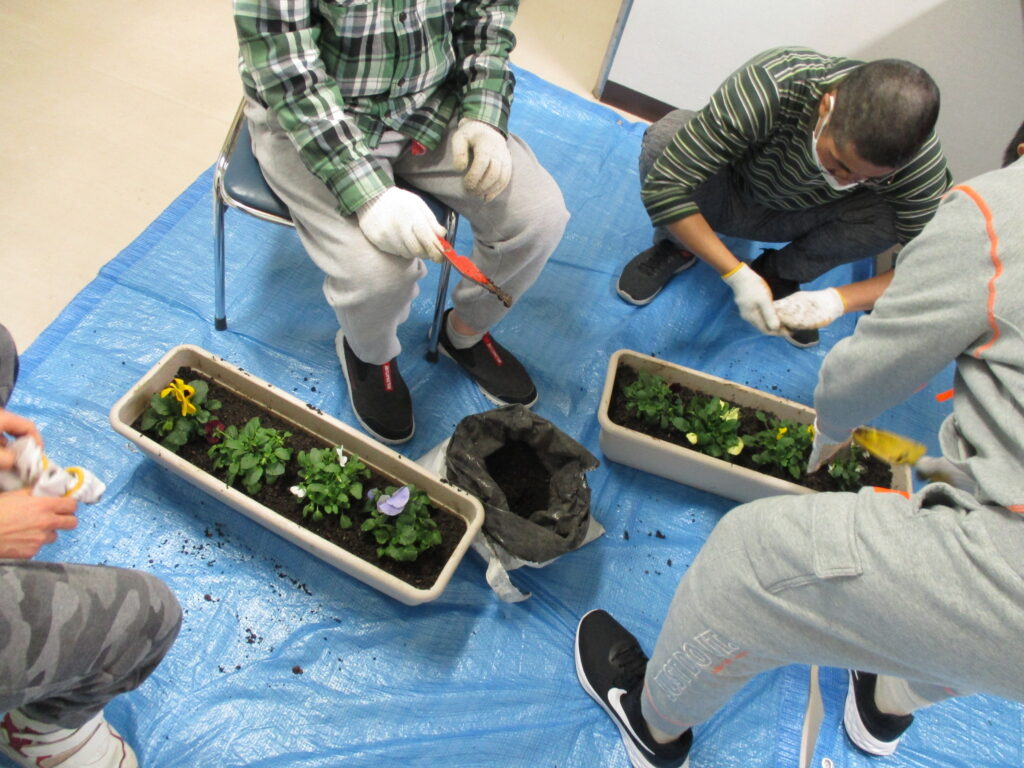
690 467
333 432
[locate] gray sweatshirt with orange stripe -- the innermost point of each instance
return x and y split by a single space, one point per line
957 295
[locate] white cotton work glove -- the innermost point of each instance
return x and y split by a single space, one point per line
33 469
810 309
753 298
482 152
399 222
823 449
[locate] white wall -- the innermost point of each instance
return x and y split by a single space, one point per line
679 51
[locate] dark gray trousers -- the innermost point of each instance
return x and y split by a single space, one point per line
72 637
858 226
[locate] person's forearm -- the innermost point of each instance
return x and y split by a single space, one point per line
862 295
700 239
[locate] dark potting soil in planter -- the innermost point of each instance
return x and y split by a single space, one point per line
877 472
518 471
235 409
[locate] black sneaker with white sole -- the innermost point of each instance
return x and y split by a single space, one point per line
379 397
610 666
781 288
649 271
870 729
496 371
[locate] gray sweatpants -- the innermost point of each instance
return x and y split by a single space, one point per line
372 291
72 637
858 226
927 589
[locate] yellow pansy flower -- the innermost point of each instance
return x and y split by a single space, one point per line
182 393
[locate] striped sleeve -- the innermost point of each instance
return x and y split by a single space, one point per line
278 47
483 40
740 115
917 188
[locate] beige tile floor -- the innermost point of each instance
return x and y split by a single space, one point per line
113 107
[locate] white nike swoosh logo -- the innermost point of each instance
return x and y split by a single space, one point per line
614 698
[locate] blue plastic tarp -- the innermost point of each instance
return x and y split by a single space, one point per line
284 661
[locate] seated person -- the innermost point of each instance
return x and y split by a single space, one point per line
835 157
917 595
72 637
341 99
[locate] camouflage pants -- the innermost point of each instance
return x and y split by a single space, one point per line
72 637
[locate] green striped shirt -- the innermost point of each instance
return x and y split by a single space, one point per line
760 122
338 73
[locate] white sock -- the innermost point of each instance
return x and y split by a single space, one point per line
459 340
894 696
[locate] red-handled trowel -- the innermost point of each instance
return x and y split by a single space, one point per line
469 269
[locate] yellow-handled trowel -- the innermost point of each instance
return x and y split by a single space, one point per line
888 446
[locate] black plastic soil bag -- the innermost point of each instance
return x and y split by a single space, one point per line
514 432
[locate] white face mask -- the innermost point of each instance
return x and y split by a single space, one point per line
829 178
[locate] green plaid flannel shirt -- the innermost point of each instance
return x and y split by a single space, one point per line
338 73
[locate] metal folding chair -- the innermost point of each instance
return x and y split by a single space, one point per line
238 183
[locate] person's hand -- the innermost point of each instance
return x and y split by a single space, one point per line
399 222
753 298
15 426
28 522
810 309
824 448
491 168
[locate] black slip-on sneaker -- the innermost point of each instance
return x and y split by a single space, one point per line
379 397
496 371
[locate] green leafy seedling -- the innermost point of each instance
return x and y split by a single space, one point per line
330 484
651 398
711 426
253 454
783 443
847 467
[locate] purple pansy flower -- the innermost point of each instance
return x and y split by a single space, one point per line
395 503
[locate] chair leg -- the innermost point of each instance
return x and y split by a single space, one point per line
439 307
220 321
442 290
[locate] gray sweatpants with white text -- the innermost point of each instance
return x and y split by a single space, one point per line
927 589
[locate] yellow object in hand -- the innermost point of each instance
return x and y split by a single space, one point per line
888 446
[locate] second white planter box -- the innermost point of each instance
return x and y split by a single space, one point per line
635 449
